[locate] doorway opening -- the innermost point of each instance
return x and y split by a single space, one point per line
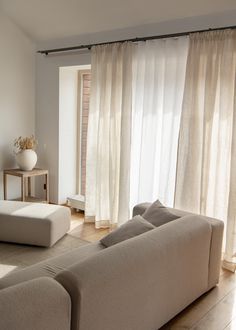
74 98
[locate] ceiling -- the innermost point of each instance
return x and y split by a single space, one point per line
51 19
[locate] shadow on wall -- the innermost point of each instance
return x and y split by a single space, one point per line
7 160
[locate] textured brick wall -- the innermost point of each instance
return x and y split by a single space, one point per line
86 83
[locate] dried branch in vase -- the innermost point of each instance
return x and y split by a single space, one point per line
25 143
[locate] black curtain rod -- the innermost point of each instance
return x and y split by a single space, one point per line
163 36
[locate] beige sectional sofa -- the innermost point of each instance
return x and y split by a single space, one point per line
138 284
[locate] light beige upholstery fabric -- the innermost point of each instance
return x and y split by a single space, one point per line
33 223
134 227
139 209
216 241
41 304
142 282
52 266
158 215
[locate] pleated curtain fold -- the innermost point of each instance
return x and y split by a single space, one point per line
109 134
205 178
158 85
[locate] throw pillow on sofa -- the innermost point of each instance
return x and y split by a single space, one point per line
131 228
157 214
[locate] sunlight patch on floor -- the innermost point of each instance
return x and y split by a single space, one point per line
5 269
75 223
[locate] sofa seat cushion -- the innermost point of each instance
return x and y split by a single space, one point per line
158 215
51 267
33 223
134 227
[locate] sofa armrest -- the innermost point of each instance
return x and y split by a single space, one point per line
217 227
39 304
142 282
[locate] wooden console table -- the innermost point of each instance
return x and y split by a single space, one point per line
26 183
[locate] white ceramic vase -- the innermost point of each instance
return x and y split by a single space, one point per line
26 159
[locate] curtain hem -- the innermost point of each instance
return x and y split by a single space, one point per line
231 266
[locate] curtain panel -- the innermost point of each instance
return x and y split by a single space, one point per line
135 109
109 134
205 180
158 85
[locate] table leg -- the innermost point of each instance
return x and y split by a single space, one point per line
22 189
47 187
5 185
29 186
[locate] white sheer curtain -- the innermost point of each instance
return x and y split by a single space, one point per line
158 84
206 180
108 140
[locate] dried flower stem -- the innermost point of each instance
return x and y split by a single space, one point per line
25 143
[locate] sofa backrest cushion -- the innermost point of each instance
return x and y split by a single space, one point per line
134 227
158 215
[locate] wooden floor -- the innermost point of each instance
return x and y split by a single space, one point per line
87 231
215 310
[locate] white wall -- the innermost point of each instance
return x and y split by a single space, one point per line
166 27
68 85
47 89
17 95
47 113
68 131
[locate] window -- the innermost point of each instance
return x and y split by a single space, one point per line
84 84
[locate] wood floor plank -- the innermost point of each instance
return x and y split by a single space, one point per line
231 325
198 309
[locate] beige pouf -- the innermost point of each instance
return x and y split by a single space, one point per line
33 223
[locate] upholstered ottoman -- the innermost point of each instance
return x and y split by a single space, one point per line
33 223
